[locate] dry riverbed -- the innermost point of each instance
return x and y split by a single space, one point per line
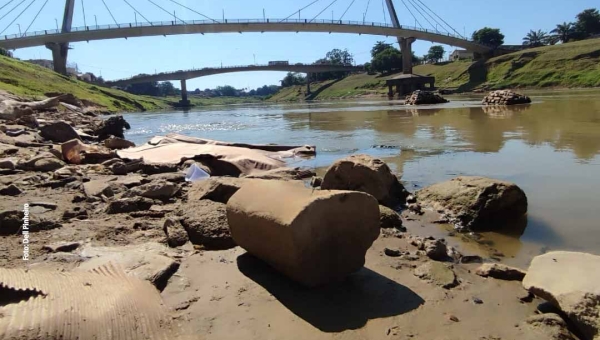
88 208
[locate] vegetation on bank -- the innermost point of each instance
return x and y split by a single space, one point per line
570 65
33 81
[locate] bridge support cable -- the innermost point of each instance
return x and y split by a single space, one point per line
422 15
383 10
324 9
138 12
301 9
366 11
36 16
12 9
83 10
18 16
346 11
189 9
411 13
6 4
434 13
109 12
169 13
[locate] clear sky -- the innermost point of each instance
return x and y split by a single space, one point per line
122 58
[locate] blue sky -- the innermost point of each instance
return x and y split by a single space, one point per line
122 58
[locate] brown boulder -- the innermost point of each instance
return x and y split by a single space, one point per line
312 236
176 234
118 143
389 219
367 174
478 203
500 272
58 132
206 224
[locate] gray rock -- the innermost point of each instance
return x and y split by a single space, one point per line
389 219
58 132
206 224
11 190
501 272
105 186
119 168
127 205
176 234
436 250
477 202
155 190
569 280
367 174
437 273
48 164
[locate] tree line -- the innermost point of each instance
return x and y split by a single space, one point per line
587 24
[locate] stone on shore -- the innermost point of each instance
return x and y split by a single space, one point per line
116 143
156 190
367 174
146 261
500 272
389 219
127 205
10 190
437 273
424 98
550 326
206 224
218 189
113 126
570 281
505 97
176 234
8 163
313 237
58 132
478 203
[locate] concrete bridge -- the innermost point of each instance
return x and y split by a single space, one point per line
183 76
58 40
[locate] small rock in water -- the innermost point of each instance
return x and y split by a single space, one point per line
471 259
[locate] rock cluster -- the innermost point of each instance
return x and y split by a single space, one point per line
505 97
424 98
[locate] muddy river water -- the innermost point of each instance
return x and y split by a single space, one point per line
550 148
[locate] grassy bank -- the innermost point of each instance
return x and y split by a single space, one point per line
32 81
569 65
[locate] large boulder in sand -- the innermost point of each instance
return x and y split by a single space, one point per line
314 237
218 189
206 224
58 132
570 281
478 203
367 174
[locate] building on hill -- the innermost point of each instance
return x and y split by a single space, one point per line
461 55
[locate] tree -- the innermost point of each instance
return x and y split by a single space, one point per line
339 57
166 88
227 91
379 47
535 38
292 79
588 22
564 32
489 36
387 60
5 53
436 53
149 88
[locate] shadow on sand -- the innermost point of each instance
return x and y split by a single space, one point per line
347 305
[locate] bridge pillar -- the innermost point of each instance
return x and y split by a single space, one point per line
308 76
184 95
406 50
60 51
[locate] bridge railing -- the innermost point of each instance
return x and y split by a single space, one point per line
229 67
226 21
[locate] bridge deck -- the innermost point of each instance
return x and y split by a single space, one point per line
88 33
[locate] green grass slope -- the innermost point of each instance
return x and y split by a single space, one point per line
569 65
32 81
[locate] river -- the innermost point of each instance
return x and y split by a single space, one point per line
549 148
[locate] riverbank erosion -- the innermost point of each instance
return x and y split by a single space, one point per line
251 249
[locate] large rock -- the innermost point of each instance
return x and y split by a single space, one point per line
145 261
550 327
176 234
118 143
437 273
570 281
314 237
505 97
8 163
48 164
367 174
58 132
478 203
206 224
218 189
389 219
127 205
113 126
500 272
156 190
